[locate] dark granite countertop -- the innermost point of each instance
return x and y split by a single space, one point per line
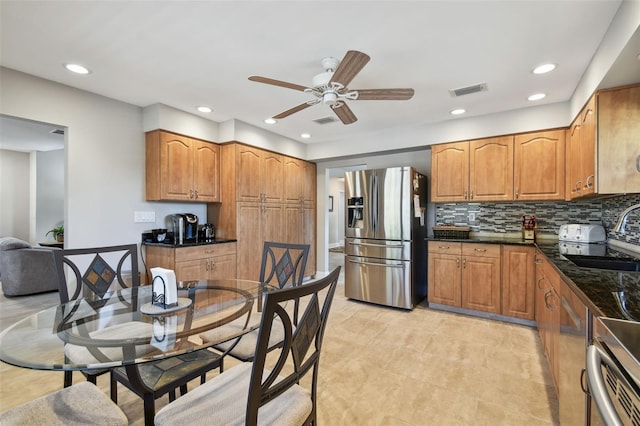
604 292
201 243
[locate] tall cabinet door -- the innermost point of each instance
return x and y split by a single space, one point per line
518 282
293 177
176 166
539 169
491 169
588 147
271 177
450 172
444 279
250 242
249 166
206 171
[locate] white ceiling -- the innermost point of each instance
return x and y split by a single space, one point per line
187 53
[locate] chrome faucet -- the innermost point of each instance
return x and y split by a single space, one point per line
622 220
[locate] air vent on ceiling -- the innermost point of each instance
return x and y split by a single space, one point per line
57 131
468 90
325 120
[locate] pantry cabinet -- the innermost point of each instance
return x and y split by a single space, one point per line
478 170
465 275
539 166
180 168
268 197
212 261
518 281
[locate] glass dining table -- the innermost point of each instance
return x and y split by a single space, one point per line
124 328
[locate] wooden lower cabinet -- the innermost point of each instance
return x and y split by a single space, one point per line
465 275
518 281
214 261
547 316
260 222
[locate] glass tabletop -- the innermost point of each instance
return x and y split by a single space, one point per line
124 328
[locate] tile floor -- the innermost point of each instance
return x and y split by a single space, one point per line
380 366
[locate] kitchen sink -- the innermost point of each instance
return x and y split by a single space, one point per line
605 262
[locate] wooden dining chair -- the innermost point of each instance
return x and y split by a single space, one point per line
80 404
257 393
96 274
283 265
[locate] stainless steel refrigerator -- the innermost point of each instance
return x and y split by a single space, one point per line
385 231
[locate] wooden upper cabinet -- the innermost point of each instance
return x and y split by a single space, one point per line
450 172
259 175
588 148
573 169
181 168
618 141
299 181
539 166
491 169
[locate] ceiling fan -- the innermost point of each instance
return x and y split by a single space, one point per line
330 87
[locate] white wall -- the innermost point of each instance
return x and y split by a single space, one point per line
336 225
104 159
49 193
14 194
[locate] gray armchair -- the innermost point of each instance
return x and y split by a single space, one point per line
25 269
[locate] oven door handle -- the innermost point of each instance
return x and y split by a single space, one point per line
595 357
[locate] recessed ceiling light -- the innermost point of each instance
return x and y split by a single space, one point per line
270 121
204 109
305 135
536 97
544 68
78 69
458 111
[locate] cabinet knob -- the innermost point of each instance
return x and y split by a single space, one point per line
191 193
589 183
444 247
196 194
458 263
465 194
480 250
464 263
517 193
471 196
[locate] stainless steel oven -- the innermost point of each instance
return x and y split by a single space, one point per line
613 372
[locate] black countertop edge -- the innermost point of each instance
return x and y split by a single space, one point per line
202 243
604 292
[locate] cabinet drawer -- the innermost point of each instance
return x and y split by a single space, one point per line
486 250
201 252
445 247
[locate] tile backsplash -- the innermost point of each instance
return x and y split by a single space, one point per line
507 217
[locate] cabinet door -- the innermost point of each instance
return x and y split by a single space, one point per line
206 171
309 182
309 232
588 148
450 172
271 177
249 163
192 270
573 163
618 145
491 169
271 223
444 279
539 171
176 167
250 242
222 267
481 283
293 180
518 282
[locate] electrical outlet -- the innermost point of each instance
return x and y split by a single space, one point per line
140 217
472 217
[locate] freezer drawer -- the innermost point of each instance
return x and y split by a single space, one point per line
385 282
379 249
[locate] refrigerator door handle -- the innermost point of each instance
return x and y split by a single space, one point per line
384 265
370 203
377 245
374 196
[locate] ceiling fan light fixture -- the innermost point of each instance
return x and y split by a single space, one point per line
329 98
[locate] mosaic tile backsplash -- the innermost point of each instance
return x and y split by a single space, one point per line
507 217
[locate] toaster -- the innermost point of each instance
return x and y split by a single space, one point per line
579 233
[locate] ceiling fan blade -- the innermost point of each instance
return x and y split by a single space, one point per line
273 82
384 94
294 110
344 113
350 66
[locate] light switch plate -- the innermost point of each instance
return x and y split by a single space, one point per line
139 217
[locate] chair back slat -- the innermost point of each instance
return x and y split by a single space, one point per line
300 352
91 272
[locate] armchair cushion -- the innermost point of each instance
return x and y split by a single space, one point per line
25 269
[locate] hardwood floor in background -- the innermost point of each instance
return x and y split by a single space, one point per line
380 366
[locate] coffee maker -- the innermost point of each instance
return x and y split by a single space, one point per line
185 228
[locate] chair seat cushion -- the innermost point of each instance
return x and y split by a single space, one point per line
246 347
131 330
223 401
80 404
